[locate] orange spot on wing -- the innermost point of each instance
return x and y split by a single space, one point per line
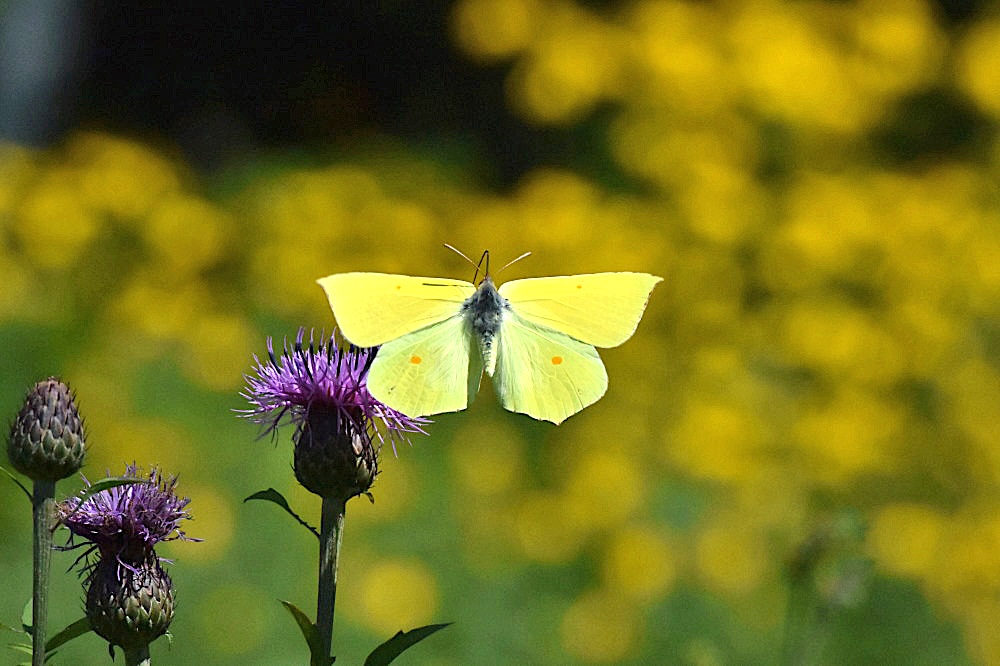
556 360
579 286
416 360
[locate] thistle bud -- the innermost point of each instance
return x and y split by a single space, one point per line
130 598
333 459
47 440
130 607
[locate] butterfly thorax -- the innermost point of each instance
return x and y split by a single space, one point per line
484 311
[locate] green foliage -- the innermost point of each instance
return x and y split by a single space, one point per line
272 495
17 481
311 635
387 652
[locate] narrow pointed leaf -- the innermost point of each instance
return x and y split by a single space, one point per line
26 619
272 495
78 628
392 648
17 481
7 627
308 629
110 482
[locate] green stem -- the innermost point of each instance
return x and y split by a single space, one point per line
43 507
137 656
331 533
807 626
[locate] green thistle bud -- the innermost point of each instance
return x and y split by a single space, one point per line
47 438
332 460
130 607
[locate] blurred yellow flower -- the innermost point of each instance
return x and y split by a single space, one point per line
251 604
732 557
216 352
216 524
677 55
851 434
568 70
640 564
492 29
488 458
187 234
120 177
978 74
907 539
601 629
810 88
605 485
53 225
397 593
549 527
715 440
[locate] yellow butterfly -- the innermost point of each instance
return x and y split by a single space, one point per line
535 337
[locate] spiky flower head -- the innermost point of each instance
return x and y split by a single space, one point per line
47 440
125 522
339 426
130 597
129 607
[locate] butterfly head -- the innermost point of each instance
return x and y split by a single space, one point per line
483 265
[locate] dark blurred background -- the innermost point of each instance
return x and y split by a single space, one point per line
223 80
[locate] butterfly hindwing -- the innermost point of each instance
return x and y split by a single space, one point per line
435 369
546 374
374 308
601 309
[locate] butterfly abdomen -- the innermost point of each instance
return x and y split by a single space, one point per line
484 311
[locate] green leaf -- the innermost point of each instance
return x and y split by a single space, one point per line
308 629
7 627
392 648
18 482
272 495
108 483
26 619
78 628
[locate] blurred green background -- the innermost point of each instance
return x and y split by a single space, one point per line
798 455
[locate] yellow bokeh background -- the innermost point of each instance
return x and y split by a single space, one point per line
827 337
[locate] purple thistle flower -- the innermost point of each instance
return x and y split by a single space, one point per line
325 376
126 522
129 596
339 425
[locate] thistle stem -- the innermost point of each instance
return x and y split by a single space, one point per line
137 656
331 533
806 626
43 506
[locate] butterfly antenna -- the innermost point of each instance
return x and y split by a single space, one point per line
459 253
479 265
513 261
485 259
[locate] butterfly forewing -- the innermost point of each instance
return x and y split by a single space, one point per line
544 373
433 370
374 308
601 309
